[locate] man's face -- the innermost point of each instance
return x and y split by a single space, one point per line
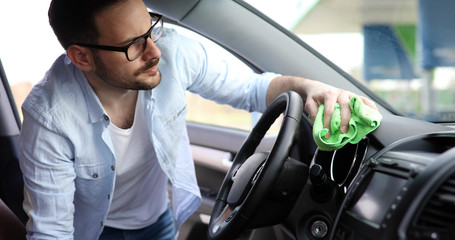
118 26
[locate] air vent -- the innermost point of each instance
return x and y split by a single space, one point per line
439 212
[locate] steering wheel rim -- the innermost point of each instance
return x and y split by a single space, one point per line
229 219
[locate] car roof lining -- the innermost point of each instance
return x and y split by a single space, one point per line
177 10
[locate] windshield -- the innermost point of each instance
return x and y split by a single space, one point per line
403 50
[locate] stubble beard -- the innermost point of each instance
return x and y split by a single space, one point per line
139 81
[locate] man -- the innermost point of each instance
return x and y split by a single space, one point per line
104 131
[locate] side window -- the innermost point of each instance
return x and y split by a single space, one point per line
26 59
208 112
21 82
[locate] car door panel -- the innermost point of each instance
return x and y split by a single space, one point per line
213 149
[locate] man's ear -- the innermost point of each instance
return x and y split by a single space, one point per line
82 57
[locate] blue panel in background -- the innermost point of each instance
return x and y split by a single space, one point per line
436 33
385 56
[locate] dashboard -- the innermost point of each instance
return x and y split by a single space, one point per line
405 190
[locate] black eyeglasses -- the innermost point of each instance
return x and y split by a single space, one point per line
136 47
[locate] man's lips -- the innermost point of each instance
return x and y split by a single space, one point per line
152 70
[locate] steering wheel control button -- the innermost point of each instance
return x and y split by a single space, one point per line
228 219
257 174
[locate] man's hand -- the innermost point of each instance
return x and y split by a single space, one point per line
315 93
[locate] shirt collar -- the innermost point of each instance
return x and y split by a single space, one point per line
95 109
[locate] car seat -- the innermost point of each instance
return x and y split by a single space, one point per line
11 228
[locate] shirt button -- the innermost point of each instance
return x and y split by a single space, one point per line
109 196
95 175
106 117
112 167
102 224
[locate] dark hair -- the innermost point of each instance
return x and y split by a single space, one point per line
74 20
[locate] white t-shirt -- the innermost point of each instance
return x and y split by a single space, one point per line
140 191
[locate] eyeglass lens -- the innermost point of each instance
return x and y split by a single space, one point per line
138 47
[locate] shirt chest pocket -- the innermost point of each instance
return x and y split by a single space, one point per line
94 184
96 171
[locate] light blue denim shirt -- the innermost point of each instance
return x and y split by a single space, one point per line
66 153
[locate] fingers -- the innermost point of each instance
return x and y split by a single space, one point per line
369 102
344 101
330 97
312 108
329 106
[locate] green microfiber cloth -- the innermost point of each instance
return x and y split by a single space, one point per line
364 120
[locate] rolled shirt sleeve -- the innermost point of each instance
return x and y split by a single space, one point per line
49 180
217 79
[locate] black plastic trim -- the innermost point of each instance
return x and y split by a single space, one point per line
9 94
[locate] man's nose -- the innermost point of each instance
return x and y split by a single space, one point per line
151 50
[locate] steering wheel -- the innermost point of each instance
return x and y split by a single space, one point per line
254 179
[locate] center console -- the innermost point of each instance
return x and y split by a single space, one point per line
406 191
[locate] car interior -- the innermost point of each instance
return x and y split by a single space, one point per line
398 182
12 217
